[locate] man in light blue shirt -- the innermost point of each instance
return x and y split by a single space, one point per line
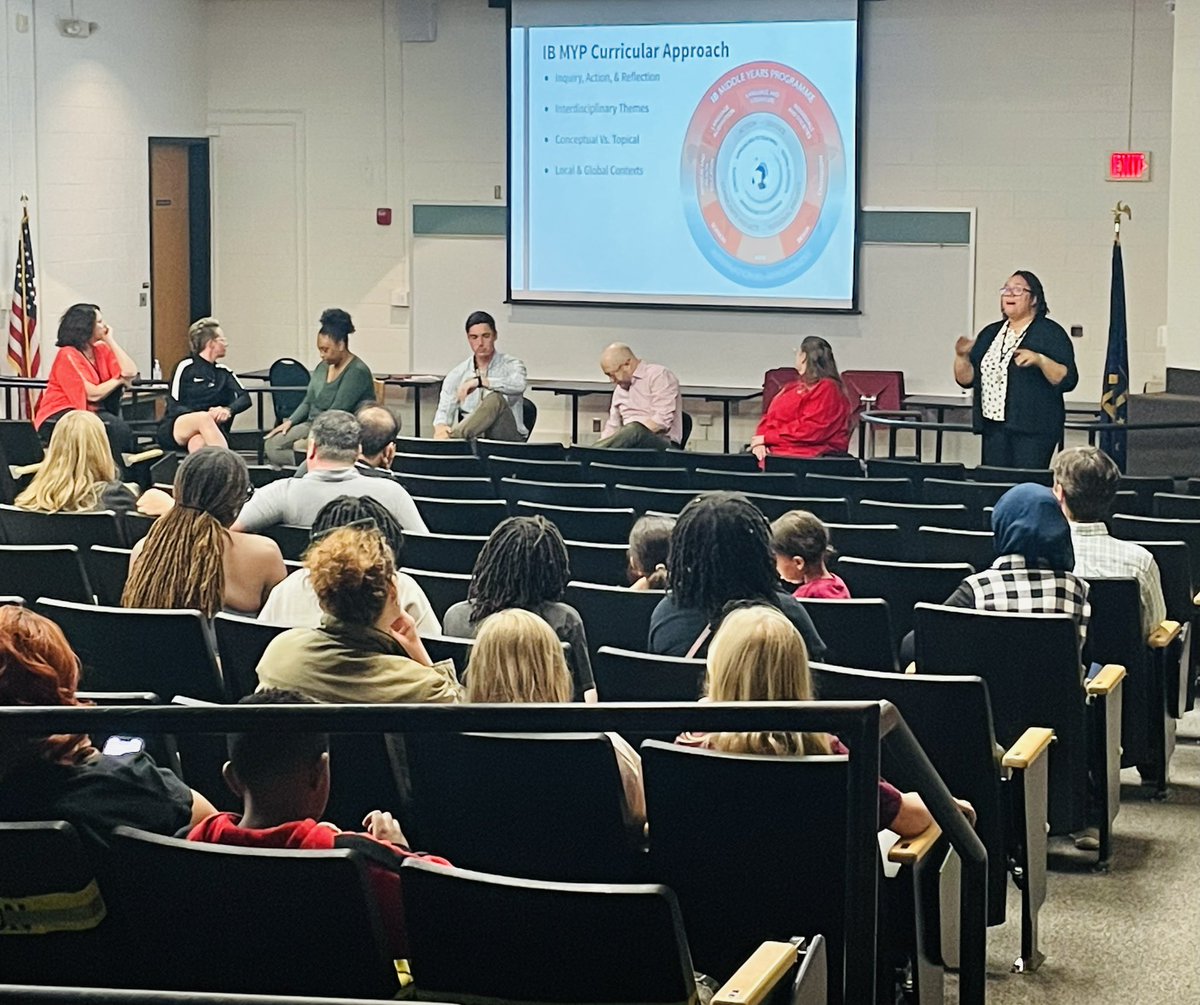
482 396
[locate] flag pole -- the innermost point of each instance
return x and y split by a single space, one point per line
1120 208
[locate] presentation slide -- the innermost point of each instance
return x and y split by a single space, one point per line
684 164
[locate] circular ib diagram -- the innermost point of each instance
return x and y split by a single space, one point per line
763 174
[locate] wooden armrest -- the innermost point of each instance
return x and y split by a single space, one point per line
911 668
145 455
1107 679
1165 632
913 849
21 470
757 977
1028 748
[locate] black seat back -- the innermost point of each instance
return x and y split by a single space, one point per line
45 570
1139 528
431 447
541 451
857 633
945 544
914 471
974 495
841 467
515 490
640 499
625 456
1178 507
1012 476
607 564
857 489
734 852
651 477
19 441
1145 486
457 465
438 487
909 516
248 938
442 589
532 470
464 517
442 552
613 615
773 507
554 804
1115 636
579 523
883 542
631 675
287 372
466 947
782 483
902 585
1031 665
293 540
166 652
19 526
241 643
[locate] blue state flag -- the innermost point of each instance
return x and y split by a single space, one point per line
1114 395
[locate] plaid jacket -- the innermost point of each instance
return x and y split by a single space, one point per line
1012 585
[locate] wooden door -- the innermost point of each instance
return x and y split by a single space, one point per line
170 253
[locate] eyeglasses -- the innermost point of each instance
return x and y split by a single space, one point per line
1013 291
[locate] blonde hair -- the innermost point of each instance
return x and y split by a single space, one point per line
77 468
517 658
758 655
201 333
181 566
351 570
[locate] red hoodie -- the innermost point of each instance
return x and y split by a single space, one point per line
383 865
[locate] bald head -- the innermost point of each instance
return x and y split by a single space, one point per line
618 363
379 429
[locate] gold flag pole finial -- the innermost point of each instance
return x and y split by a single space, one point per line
1120 208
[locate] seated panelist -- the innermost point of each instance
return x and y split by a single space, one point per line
482 396
811 416
204 395
647 409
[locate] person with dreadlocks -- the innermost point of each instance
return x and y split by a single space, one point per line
294 602
190 558
367 648
720 553
524 564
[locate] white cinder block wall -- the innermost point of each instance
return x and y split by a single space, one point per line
321 115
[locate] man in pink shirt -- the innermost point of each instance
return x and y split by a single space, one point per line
647 409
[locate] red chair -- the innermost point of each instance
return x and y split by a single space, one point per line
775 381
885 386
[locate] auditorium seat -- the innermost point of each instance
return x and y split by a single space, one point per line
1169 506
914 471
540 451
19 526
442 552
972 494
909 516
514 490
856 632
902 585
241 642
838 467
945 544
440 487
626 456
533 469
260 474
659 500
577 523
607 564
1146 486
632 675
883 542
857 489
613 615
1031 665
779 484
827 510
134 527
1013 476
442 589
45 570
693 459
1139 528
554 804
647 476
450 647
293 540
457 465
1174 573
463 517
432 447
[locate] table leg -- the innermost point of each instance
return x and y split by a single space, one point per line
417 409
937 446
727 403
574 418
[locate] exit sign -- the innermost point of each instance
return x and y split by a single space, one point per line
1129 165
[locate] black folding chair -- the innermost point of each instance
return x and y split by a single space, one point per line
287 372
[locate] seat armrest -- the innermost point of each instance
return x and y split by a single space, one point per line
911 668
1109 676
1165 632
1196 600
21 470
909 850
1028 748
144 455
758 976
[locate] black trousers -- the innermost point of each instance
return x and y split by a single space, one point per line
1005 449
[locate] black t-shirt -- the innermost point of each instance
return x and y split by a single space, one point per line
97 795
673 629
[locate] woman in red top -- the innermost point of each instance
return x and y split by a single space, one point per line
810 417
90 372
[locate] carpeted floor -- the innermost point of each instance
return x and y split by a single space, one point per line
1128 937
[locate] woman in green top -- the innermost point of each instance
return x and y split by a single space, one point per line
341 381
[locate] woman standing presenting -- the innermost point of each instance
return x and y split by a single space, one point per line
1020 367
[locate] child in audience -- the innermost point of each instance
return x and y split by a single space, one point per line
801 545
649 545
283 782
518 658
758 655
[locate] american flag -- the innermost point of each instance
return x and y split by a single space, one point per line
22 321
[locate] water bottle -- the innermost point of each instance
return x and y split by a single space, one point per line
156 371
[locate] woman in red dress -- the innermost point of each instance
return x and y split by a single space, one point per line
810 417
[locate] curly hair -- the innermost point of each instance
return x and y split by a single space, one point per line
351 571
721 552
517 658
522 564
336 323
346 510
181 565
37 667
77 467
757 655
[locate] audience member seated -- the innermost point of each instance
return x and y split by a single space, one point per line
191 559
524 564
482 396
63 777
90 373
204 395
367 648
649 546
801 544
1032 572
282 780
341 381
757 655
812 416
333 447
518 658
647 409
377 444
720 552
1085 484
78 474
294 602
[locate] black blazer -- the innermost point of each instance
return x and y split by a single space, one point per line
1033 404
